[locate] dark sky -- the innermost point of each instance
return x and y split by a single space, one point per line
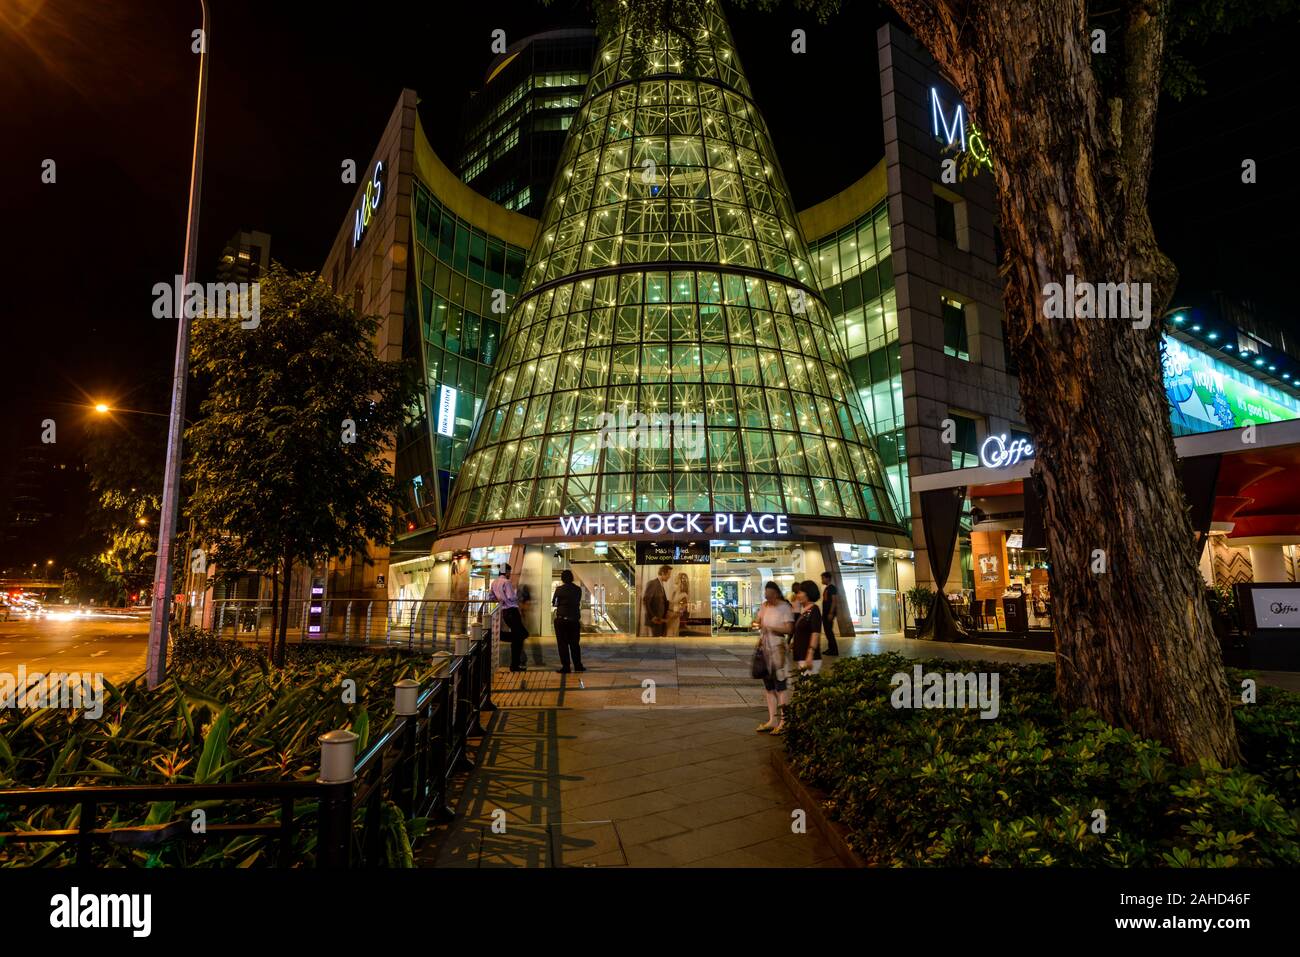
107 90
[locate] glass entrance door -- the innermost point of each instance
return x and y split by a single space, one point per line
740 572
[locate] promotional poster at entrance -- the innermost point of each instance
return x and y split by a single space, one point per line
672 587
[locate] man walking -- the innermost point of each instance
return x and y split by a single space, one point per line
830 608
504 592
568 622
655 602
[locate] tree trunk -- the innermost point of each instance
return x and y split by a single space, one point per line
282 640
1134 640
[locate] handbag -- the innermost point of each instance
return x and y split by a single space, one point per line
758 666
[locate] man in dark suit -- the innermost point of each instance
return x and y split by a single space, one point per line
655 602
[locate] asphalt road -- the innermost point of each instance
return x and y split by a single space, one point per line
114 648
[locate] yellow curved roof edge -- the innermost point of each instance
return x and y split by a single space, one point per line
473 207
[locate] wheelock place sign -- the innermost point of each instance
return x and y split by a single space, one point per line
676 523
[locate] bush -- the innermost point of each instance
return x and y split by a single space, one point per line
222 715
945 787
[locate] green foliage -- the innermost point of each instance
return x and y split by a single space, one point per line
920 597
122 460
222 716
288 457
937 787
1222 601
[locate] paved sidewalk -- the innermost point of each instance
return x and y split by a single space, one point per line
647 759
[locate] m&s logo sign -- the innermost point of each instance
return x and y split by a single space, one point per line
369 203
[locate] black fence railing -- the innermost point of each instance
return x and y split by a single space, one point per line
409 768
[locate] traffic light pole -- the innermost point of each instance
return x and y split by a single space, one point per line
156 664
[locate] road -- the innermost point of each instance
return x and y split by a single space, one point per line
114 648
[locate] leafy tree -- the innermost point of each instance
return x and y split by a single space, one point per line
121 465
1072 131
290 455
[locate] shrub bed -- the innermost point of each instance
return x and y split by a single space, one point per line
222 715
947 788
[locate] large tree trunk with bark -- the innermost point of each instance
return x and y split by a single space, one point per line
1134 640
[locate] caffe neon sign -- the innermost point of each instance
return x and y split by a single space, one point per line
369 203
997 453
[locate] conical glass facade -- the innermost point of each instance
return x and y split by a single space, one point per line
669 275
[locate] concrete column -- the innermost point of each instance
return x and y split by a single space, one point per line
1268 563
536 575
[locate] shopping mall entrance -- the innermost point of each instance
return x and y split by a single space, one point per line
710 588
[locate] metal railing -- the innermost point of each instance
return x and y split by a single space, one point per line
410 766
415 624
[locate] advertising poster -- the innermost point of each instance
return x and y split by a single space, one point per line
676 602
1276 607
1206 394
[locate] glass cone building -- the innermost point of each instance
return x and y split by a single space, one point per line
670 389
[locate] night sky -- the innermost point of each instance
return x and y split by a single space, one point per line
107 90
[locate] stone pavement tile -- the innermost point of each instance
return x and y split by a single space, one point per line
714 738
747 744
603 792
584 760
709 788
715 839
631 747
641 830
676 759
570 778
773 797
736 858
636 805
681 775
642 855
714 810
795 850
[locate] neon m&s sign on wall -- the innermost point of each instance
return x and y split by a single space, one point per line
369 203
955 132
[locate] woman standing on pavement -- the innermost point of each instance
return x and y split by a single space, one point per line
775 621
806 644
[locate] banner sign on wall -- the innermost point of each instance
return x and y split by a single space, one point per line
675 523
1206 394
1277 607
672 553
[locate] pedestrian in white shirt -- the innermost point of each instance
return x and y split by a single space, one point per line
504 592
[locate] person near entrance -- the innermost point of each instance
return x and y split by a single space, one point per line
775 621
655 602
805 646
568 622
830 612
504 592
679 603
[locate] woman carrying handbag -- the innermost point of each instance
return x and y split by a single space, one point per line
805 648
771 660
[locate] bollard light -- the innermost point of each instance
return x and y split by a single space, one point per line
338 757
462 646
406 692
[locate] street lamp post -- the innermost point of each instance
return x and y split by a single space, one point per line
156 662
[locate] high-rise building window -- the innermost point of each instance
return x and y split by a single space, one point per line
945 219
1008 356
954 330
965 446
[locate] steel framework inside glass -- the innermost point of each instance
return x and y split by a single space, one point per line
670 276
